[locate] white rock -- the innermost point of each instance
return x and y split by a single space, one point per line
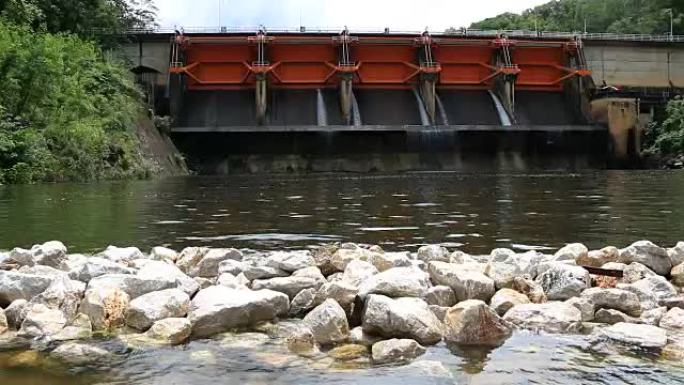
571 252
164 271
218 309
41 321
673 319
440 296
598 258
190 257
358 271
653 316
63 294
208 266
79 329
676 254
152 307
585 306
401 318
622 300
173 331
657 285
433 253
121 254
97 266
505 299
473 323
386 261
231 266
4 325
106 307
229 280
396 350
396 282
562 281
15 313
648 254
301 341
358 337
160 253
635 271
677 274
343 293
328 323
501 255
76 353
255 271
643 336
554 317
466 283
289 285
291 261
304 301
533 290
14 286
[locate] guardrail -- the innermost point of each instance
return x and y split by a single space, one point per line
455 32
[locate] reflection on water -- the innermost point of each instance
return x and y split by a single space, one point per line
472 211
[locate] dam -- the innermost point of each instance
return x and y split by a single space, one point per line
290 101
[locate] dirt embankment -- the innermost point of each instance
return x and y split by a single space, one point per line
158 151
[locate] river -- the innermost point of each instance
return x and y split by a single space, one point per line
471 212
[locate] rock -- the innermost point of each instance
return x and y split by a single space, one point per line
302 341
15 313
289 285
164 271
190 257
501 255
673 319
358 337
341 258
106 307
253 272
76 353
328 323
614 266
133 285
228 280
401 318
622 300
344 294
322 255
473 323
396 282
533 290
79 329
173 331
439 311
503 273
217 309
459 257
14 286
41 321
562 281
386 261
49 254
73 262
122 255
466 284
611 317
21 257
97 266
231 266
657 286
291 261
653 316
553 317
358 271
433 253
636 271
585 306
440 296
40 270
677 274
396 350
4 324
147 309
636 335
63 294
648 254
208 266
348 352
671 302
303 302
598 258
160 253
571 252
676 254
505 299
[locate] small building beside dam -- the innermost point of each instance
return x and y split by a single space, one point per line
264 101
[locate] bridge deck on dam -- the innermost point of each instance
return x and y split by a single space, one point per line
393 128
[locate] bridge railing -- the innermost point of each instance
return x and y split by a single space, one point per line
452 32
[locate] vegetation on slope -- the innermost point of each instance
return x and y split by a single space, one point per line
666 138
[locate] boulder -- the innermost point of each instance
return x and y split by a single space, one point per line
231 266
440 296
255 271
73 262
304 301
63 294
505 299
49 254
598 258
676 254
571 252
343 293
622 300
77 353
289 285
677 274
635 271
653 316
671 302
562 281
341 258
533 290
21 257
173 331
396 351
466 283
41 321
160 253
473 323
459 257
433 253
189 257
648 254
122 255
386 261
4 324
133 285
291 261
79 329
585 306
439 311
14 286
147 309
515 265
612 316
348 352
40 270
328 323
658 286
164 271
396 282
15 313
673 320
97 266
218 309
208 266
358 337
501 255
301 341
634 335
106 307
401 318
553 317
358 271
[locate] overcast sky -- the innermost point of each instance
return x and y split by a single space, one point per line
408 15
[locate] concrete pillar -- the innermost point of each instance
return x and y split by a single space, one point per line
621 117
346 98
427 92
261 99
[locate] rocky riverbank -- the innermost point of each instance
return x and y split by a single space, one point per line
346 301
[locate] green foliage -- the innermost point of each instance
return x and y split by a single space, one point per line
667 137
618 16
67 111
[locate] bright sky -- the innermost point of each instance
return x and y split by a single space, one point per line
408 15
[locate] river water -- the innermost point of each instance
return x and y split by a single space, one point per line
472 212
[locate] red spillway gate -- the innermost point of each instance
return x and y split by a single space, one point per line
376 61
